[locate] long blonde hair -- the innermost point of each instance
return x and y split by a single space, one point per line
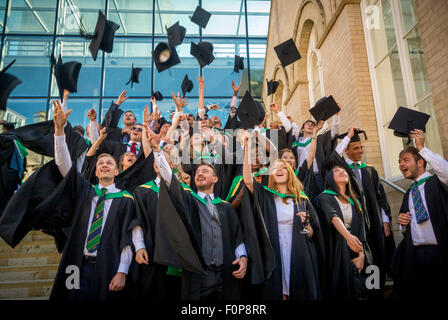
294 185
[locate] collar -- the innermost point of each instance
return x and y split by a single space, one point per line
110 189
202 195
350 161
137 143
422 178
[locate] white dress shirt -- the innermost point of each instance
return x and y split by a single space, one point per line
64 163
166 173
423 233
93 131
340 148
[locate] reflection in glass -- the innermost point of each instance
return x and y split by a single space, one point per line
409 14
417 57
73 12
31 16
257 51
32 64
79 111
432 140
134 17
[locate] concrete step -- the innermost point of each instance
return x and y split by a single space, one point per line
8 273
29 259
25 289
38 246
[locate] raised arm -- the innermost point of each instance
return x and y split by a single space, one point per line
313 147
61 153
342 146
282 116
233 106
94 148
201 105
247 171
268 145
159 158
93 126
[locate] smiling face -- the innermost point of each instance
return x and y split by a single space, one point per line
289 157
280 173
165 128
129 119
355 150
308 127
409 167
129 159
106 167
340 175
205 177
136 133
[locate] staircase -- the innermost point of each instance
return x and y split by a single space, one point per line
27 272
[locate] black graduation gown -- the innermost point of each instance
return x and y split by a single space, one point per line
341 277
9 177
151 280
307 255
403 264
373 200
232 237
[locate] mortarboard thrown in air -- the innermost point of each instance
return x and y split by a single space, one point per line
356 136
405 120
272 86
287 52
187 85
157 95
201 17
176 34
66 75
203 52
324 109
250 112
165 56
103 36
135 72
7 83
238 64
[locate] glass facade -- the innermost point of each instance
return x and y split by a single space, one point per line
33 30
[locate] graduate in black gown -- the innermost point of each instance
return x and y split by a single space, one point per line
298 255
342 223
98 244
420 263
216 229
366 183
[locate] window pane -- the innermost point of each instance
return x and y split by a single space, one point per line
258 17
169 12
219 74
170 80
383 38
34 16
134 17
432 140
72 12
2 13
79 107
417 58
257 52
225 13
409 14
89 80
32 64
118 68
25 111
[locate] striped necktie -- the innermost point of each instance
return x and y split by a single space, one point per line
93 240
211 208
420 211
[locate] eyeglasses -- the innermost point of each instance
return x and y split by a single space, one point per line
136 128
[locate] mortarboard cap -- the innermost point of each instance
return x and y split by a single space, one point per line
287 52
238 64
7 83
66 75
250 112
157 95
272 86
356 136
405 120
103 36
165 56
201 17
135 72
203 52
187 85
324 109
8 125
176 34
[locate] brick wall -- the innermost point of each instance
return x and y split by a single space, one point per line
433 22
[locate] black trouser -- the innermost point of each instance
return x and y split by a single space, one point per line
87 269
430 269
211 284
